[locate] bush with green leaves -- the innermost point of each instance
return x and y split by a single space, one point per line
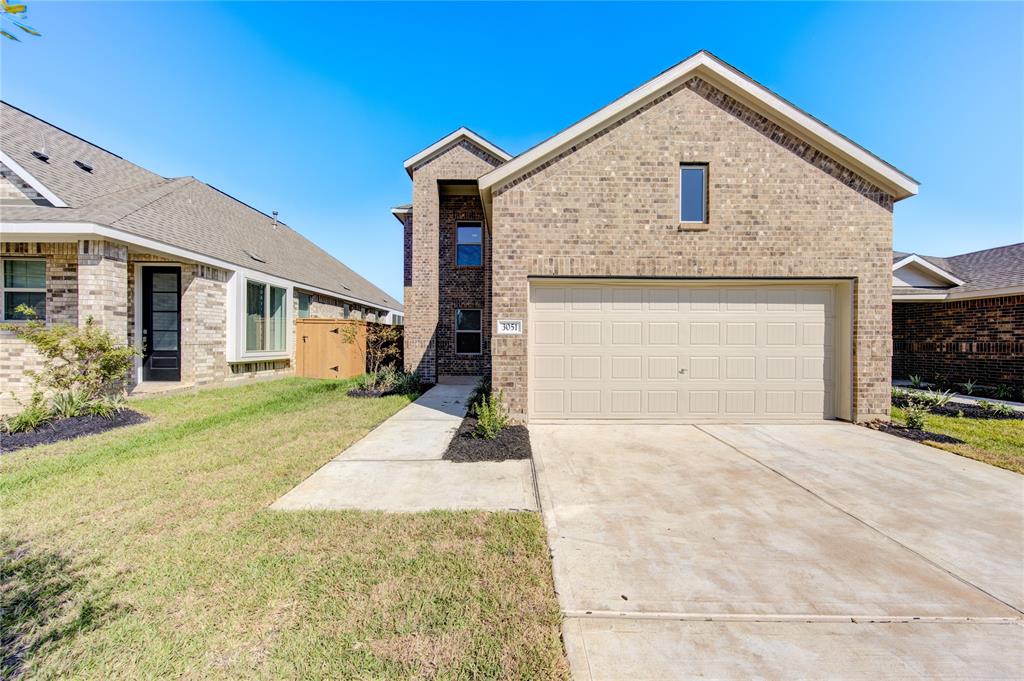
914 416
916 382
1003 392
491 416
968 386
389 380
84 370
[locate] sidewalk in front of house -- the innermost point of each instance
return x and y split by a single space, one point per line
399 467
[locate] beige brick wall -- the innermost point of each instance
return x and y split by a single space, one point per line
16 192
103 286
16 356
462 161
610 209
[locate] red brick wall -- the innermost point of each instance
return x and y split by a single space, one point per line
979 340
460 287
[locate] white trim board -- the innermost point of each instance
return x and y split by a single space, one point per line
52 231
735 83
20 171
450 139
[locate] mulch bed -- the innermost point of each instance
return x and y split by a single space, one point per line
68 429
913 433
970 411
513 442
359 392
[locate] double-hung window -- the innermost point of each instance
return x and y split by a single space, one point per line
693 193
469 244
468 332
24 283
265 317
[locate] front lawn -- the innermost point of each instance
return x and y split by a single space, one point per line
149 552
999 442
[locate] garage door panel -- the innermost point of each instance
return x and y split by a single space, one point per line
682 352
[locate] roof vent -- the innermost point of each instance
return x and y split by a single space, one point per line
255 256
275 219
84 166
41 155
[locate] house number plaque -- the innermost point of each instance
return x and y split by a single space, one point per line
510 327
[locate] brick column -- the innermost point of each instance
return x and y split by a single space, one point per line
103 286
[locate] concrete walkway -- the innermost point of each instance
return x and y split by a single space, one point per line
780 551
398 467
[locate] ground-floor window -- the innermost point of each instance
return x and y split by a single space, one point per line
24 283
265 317
303 304
468 332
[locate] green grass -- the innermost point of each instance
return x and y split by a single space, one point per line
999 442
149 552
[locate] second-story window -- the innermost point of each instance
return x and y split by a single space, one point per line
469 244
693 193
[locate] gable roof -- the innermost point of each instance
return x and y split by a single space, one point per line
735 83
181 212
450 140
992 270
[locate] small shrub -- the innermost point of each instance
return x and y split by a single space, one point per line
1003 392
482 390
70 403
31 416
916 382
107 406
915 417
388 380
492 417
968 386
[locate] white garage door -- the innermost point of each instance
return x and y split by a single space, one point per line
698 351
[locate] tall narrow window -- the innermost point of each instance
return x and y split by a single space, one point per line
693 193
265 317
468 332
469 244
24 283
303 304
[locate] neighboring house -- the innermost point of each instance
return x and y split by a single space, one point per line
699 249
205 286
960 318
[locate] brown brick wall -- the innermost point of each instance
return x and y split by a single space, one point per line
609 208
460 287
978 340
462 161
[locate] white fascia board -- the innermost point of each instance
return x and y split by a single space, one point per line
923 297
447 140
915 259
400 213
27 231
704 64
20 171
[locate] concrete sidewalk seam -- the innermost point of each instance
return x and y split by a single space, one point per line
855 517
783 618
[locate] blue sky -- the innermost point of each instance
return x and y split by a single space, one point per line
310 109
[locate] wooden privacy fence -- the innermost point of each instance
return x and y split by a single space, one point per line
322 349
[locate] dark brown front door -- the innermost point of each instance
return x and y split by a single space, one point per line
161 324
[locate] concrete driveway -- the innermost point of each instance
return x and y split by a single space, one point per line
780 551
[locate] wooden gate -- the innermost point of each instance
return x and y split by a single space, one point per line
323 350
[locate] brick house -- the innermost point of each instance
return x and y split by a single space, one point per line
698 249
960 318
204 285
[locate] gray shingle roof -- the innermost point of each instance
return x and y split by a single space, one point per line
182 212
990 269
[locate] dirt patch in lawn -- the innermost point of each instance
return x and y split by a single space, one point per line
70 428
513 442
913 433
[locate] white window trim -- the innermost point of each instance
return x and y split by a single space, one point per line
4 290
479 332
288 293
703 167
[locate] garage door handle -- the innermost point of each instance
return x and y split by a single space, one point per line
682 371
